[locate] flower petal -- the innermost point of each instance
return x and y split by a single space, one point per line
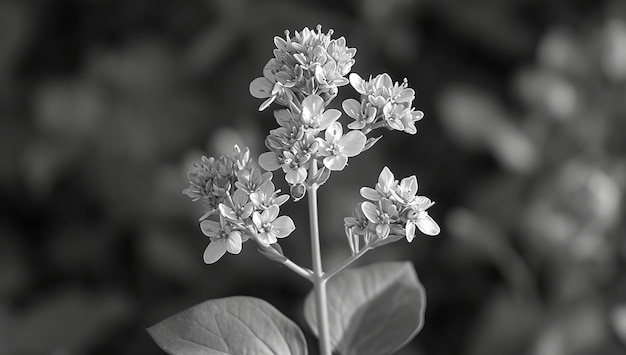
328 118
261 88
283 226
214 251
227 212
240 197
386 178
271 213
279 200
352 108
384 80
410 231
210 228
265 104
409 185
312 105
296 176
357 83
336 162
382 230
356 125
370 194
396 124
427 225
333 132
267 189
233 243
407 95
417 115
266 238
353 143
257 220
370 211
420 203
269 161
280 43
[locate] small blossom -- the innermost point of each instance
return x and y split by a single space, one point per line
269 227
418 217
267 196
363 114
294 168
249 180
386 184
337 148
264 88
240 209
241 158
313 117
223 238
405 191
382 216
357 227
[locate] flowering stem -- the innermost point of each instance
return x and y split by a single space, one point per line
319 281
304 272
346 263
367 129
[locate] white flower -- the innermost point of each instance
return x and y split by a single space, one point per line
223 239
271 228
313 117
337 148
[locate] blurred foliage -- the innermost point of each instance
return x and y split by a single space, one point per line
105 105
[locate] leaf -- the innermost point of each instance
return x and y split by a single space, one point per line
232 325
372 310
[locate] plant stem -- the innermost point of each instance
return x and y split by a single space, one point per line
275 256
319 282
304 272
346 263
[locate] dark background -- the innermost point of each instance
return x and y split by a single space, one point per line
105 105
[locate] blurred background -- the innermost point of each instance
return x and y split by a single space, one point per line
105 105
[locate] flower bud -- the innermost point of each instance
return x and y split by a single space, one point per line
297 191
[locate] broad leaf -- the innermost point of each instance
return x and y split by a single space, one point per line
372 310
234 325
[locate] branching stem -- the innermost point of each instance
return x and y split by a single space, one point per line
319 281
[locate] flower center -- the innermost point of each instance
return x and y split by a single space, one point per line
335 149
268 227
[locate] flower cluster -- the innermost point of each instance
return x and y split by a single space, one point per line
393 211
212 178
383 104
308 63
295 144
246 199
303 76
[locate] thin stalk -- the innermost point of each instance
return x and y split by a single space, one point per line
346 263
319 282
304 272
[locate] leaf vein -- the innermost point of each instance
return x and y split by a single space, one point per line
219 334
252 331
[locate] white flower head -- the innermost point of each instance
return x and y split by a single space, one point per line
223 238
337 148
